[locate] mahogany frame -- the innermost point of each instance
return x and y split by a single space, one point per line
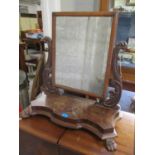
114 16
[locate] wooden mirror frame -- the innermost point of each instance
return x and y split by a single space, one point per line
114 17
113 72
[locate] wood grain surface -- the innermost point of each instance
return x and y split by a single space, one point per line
86 143
81 113
41 127
73 142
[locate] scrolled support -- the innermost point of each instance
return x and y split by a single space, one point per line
116 83
47 73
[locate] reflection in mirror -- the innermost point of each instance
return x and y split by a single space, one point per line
82 45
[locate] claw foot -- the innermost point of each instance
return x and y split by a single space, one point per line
111 144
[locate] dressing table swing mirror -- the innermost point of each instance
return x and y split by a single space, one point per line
76 78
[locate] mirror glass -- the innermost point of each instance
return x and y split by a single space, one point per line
81 52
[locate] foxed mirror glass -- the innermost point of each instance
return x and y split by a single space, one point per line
81 46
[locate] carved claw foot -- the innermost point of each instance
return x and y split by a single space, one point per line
111 144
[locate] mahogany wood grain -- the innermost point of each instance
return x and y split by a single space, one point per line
41 127
32 145
110 52
105 13
74 90
104 5
81 113
38 136
35 139
84 143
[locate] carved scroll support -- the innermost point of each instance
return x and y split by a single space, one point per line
47 73
115 82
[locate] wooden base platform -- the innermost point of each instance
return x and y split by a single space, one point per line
76 112
38 135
